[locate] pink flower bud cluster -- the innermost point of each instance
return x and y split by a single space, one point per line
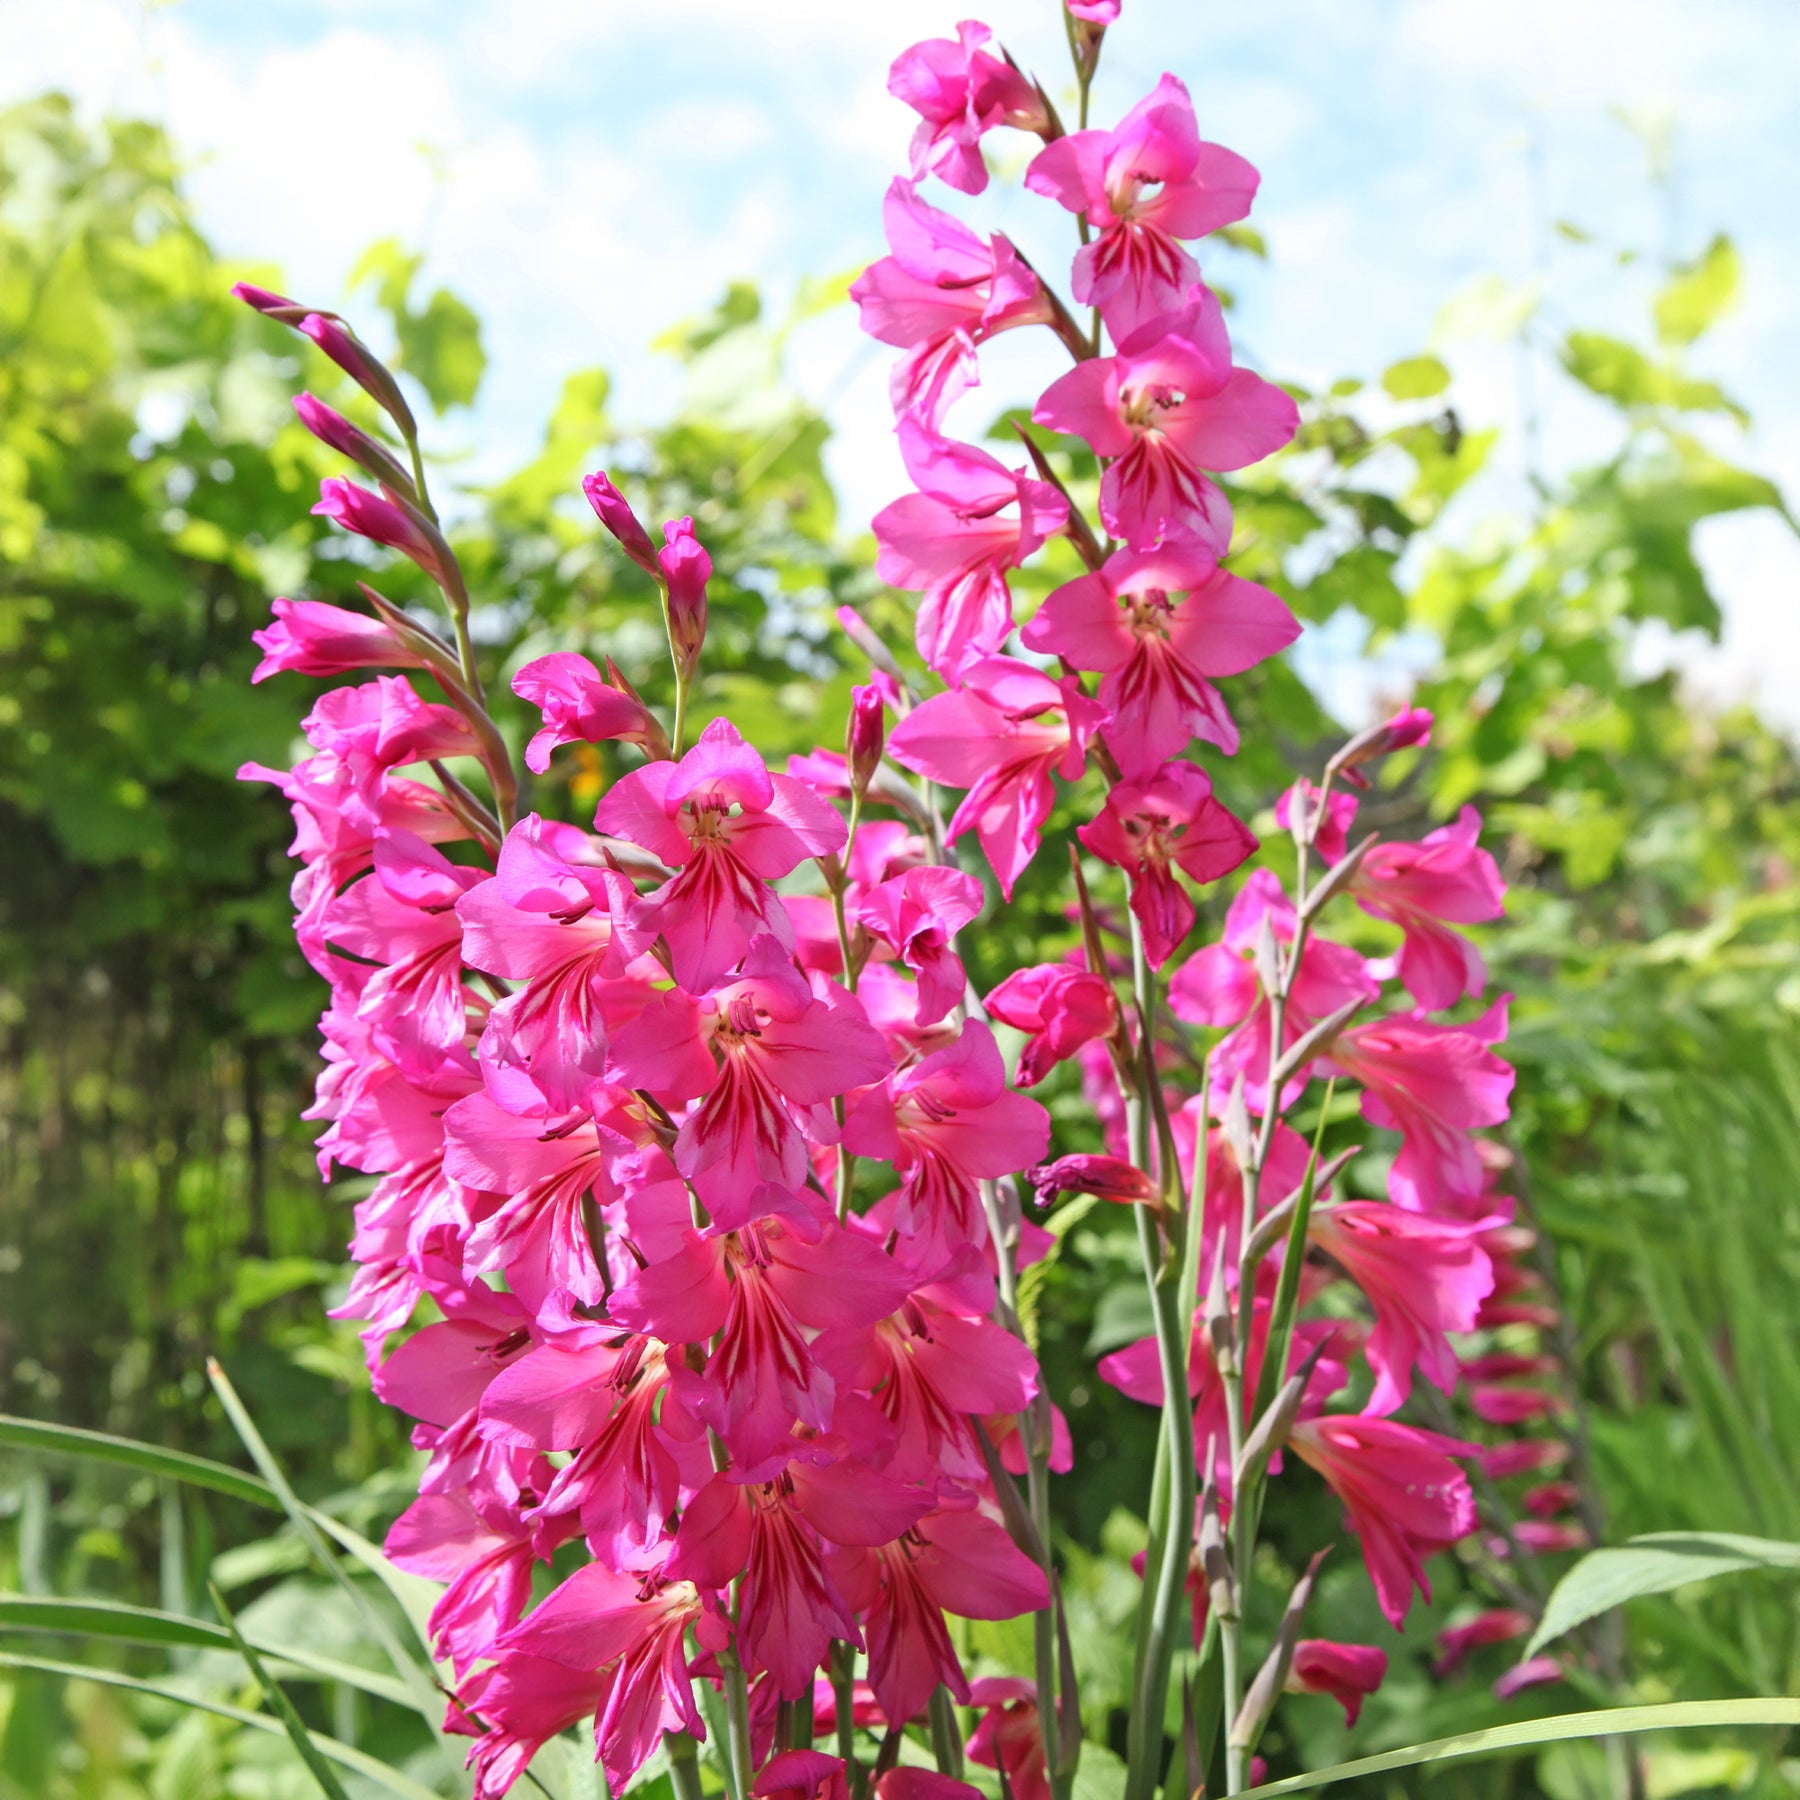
616 1084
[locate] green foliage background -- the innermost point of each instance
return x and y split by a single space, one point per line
157 1196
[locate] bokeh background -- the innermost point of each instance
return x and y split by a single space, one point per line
1533 270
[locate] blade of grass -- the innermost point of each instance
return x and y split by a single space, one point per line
143 1625
178 1465
1526 1734
346 1756
281 1706
420 1678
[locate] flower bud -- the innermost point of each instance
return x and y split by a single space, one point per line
1401 732
686 568
362 368
867 734
612 511
331 427
269 303
1108 1177
312 637
391 521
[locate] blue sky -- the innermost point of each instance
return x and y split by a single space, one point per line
588 172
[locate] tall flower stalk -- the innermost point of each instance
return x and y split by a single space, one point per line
703 1189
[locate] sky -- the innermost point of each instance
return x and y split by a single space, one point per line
586 172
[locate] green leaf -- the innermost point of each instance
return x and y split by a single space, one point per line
414 1669
1652 1564
178 1465
144 1625
1623 373
1615 1721
440 347
1699 293
389 1780
1416 378
283 1708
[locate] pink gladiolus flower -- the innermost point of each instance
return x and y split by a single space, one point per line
1166 407
905 1783
328 332
1349 1673
1524 1456
1512 1405
1159 624
1405 1497
1143 185
1546 1537
917 915
953 541
779 1052
330 427
1010 1736
1535 1671
566 931
942 291
686 568
537 1236
602 1643
1434 1084
486 1554
1001 736
384 724
960 91
1110 1177
387 519
1498 1625
1061 1006
801 1775
957 1562
580 707
1424 1277
1218 986
403 917
930 1369
614 512
730 828
310 637
948 1123
600 1401
1550 1498
1094 12
1151 828
1298 811
1445 877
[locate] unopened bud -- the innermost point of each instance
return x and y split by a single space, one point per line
270 304
1401 732
389 520
331 427
866 736
612 510
370 375
686 568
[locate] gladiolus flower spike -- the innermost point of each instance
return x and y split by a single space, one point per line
696 1156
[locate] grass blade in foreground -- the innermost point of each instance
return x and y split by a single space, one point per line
1614 1721
144 1625
282 1707
178 1465
347 1756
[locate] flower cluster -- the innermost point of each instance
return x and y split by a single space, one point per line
701 1150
